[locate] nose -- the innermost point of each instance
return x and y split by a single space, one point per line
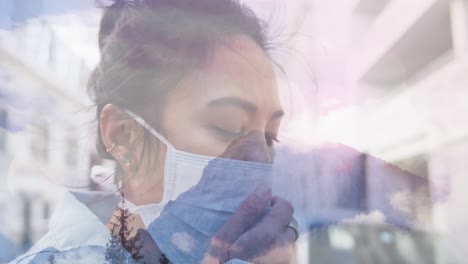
251 147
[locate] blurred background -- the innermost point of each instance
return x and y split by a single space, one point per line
383 77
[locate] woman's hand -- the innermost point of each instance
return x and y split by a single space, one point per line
253 235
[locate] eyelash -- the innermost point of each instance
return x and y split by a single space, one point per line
229 134
270 138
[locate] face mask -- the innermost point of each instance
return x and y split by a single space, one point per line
182 170
201 193
185 227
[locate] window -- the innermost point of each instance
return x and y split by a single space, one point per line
26 240
46 211
3 130
71 155
40 142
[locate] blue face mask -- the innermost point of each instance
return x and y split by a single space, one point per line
185 227
201 194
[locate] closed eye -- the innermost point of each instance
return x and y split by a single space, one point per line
228 135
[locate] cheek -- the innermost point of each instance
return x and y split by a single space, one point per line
183 127
186 133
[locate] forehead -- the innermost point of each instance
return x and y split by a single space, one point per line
236 67
241 56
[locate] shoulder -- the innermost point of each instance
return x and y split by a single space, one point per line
43 247
82 211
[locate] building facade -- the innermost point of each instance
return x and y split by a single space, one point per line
45 137
409 63
392 83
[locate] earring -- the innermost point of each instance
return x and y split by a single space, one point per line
124 161
111 148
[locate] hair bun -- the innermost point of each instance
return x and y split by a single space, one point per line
112 14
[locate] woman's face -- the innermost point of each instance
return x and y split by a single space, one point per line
233 94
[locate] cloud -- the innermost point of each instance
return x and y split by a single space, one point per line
374 217
183 241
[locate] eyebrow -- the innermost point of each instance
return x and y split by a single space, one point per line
243 104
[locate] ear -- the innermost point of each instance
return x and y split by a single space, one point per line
118 132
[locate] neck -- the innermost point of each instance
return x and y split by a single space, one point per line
141 190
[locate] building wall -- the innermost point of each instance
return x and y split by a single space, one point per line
46 136
411 67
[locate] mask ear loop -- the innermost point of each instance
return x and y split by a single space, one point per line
144 124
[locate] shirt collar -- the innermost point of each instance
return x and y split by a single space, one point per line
80 219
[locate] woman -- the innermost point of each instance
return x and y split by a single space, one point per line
190 77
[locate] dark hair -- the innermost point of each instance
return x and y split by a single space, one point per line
148 46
